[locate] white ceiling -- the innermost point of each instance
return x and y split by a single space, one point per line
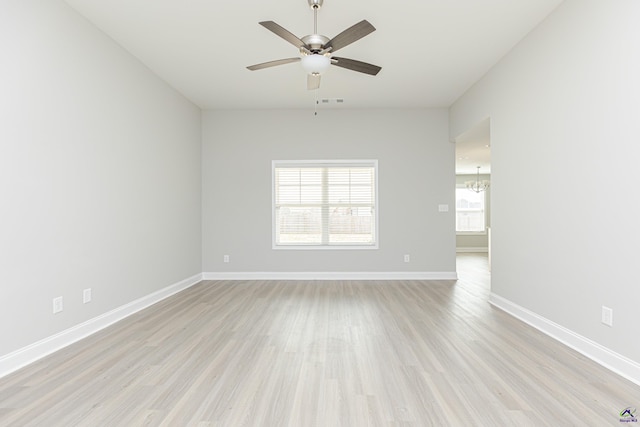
430 51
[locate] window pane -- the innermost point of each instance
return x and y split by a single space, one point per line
361 195
288 175
470 221
288 195
353 225
469 210
339 176
311 195
298 225
362 176
311 176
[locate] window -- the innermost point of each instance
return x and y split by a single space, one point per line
325 204
470 211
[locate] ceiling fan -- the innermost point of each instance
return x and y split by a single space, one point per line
316 50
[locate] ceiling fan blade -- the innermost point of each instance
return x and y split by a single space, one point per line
272 63
285 34
313 81
350 35
359 66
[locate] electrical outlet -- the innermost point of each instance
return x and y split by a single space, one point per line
407 258
86 296
57 305
226 258
607 316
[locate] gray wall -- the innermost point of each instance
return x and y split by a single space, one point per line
99 174
564 151
416 174
469 242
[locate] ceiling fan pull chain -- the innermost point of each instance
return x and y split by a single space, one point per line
315 107
315 110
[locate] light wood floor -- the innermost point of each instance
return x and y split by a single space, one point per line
325 353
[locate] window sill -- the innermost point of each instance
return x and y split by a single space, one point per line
324 247
471 233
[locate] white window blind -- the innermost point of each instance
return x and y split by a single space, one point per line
323 204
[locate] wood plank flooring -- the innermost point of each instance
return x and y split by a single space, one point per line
319 353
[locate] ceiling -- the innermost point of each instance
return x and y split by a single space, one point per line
430 51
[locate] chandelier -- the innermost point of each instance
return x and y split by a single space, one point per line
477 185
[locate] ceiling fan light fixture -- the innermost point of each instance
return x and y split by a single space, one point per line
315 64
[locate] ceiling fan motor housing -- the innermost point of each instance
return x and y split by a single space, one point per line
315 42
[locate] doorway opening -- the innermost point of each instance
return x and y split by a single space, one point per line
473 200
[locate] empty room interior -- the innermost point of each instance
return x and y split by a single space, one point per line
319 213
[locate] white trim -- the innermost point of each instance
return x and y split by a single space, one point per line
338 275
611 360
472 233
471 249
331 247
15 360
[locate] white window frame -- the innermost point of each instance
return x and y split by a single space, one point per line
324 164
484 209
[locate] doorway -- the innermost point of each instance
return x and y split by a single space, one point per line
473 189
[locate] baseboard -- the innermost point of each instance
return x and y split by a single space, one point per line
472 249
611 360
22 357
394 275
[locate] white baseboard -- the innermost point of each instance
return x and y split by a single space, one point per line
611 360
394 275
472 249
22 357
15 360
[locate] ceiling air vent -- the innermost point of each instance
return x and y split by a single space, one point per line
332 101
